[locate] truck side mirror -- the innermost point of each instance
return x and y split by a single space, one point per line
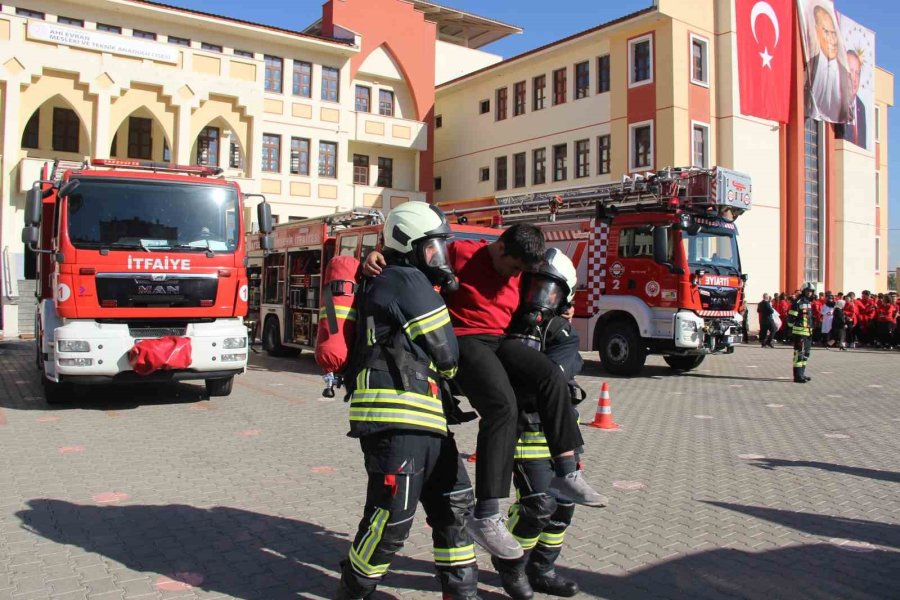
264 216
661 250
34 205
69 187
30 235
265 242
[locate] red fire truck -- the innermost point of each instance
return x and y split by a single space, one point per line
134 250
286 280
657 258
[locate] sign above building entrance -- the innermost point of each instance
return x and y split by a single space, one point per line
100 42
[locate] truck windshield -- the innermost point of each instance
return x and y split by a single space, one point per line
152 215
716 252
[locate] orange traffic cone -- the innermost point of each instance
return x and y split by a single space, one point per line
603 419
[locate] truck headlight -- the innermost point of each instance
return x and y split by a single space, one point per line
74 346
235 342
689 326
233 357
76 362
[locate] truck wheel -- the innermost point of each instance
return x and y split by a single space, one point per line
622 351
219 387
57 392
271 338
684 363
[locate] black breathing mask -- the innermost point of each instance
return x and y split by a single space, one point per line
542 299
434 260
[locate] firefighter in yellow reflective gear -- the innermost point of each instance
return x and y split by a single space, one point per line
540 516
800 325
405 345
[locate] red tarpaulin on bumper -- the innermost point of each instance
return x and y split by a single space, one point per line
168 353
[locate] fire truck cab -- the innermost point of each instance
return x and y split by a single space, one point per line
659 269
132 251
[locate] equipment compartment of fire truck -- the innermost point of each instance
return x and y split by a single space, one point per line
141 275
658 265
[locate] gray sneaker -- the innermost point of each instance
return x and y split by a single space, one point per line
576 488
491 534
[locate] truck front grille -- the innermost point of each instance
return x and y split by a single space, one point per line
155 332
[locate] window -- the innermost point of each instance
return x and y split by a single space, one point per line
109 28
167 154
32 135
385 172
69 21
208 147
582 158
635 243
302 84
604 145
501 104
212 48
539 92
699 60
360 169
500 180
348 245
539 166
144 35
877 123
140 138
582 80
559 86
560 162
299 156
484 107
640 58
234 156
31 14
244 53
386 103
327 159
330 84
178 41
274 67
484 174
700 146
363 98
641 146
369 243
603 74
519 168
438 121
877 188
519 99
437 184
66 129
271 154
877 254
114 146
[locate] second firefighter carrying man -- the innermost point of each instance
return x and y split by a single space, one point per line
405 345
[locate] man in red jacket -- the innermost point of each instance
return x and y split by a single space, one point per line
481 311
885 320
851 316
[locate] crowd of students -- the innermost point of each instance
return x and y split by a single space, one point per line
839 320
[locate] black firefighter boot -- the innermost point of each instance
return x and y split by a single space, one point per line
552 584
347 589
515 581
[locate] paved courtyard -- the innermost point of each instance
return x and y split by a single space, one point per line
731 482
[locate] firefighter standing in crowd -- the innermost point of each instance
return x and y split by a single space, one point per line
800 324
540 516
405 344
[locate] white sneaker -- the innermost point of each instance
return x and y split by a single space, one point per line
576 488
491 534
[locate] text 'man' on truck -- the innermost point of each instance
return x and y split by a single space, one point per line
131 251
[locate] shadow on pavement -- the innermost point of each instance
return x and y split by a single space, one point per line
593 368
819 571
858 530
225 550
774 463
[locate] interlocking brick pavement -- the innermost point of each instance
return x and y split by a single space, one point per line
150 492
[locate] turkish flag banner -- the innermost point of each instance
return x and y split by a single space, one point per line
765 43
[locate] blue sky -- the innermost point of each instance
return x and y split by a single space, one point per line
544 22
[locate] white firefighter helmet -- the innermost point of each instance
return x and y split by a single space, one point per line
411 222
809 286
559 266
